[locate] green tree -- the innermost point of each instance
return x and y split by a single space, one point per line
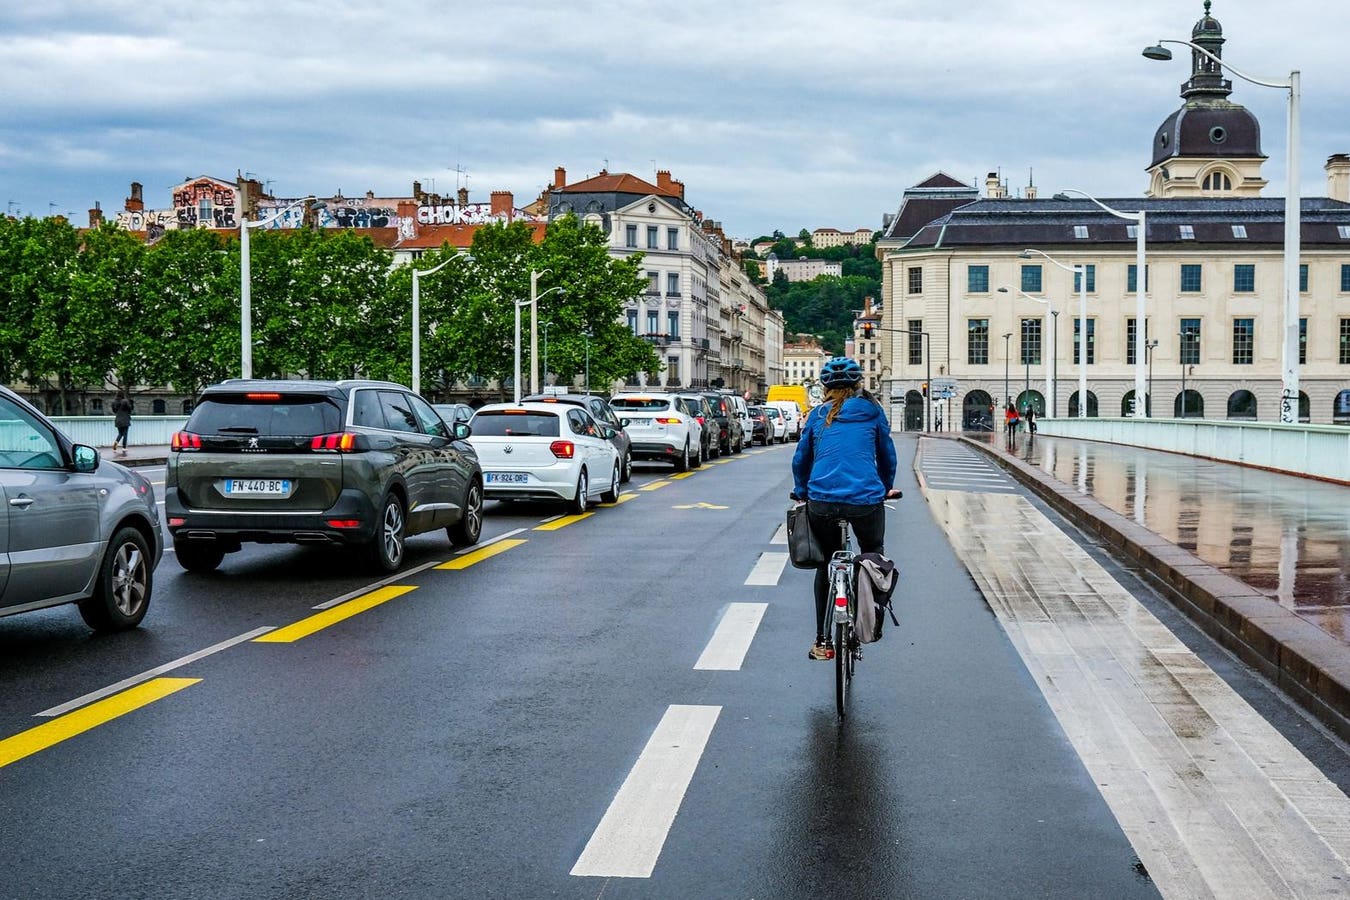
36 259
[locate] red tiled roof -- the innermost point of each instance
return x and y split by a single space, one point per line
620 183
430 237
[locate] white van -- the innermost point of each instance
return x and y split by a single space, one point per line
793 415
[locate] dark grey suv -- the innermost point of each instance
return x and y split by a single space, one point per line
361 463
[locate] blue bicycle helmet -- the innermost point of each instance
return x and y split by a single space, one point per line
840 372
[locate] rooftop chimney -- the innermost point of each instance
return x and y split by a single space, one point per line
463 194
1338 177
503 203
417 191
134 202
96 215
559 178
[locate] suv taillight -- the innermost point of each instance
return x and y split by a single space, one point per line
670 420
186 440
342 442
563 449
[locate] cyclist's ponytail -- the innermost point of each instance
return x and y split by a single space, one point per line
835 396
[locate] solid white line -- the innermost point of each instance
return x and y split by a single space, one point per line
780 536
629 838
151 673
768 570
730 642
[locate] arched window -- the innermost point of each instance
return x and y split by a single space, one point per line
158 407
1242 405
1091 405
1217 181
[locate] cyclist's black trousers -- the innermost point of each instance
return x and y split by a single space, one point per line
869 530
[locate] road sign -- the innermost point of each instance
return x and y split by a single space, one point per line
943 384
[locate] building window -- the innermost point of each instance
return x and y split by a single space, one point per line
1343 231
632 321
672 238
630 236
1188 337
916 342
1091 279
672 284
1345 278
1031 342
1303 278
653 283
653 322
977 342
1302 342
204 214
1132 231
1129 340
1091 341
1345 342
1244 334
673 369
1240 231
1190 278
1244 278
673 325
1031 279
1217 181
1187 232
977 279
651 237
1080 232
916 280
1132 279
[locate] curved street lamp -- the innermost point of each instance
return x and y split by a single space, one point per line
246 278
417 315
1081 271
1289 391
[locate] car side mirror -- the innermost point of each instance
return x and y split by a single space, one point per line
609 433
625 422
86 458
462 431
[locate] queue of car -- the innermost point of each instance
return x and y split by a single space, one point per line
355 463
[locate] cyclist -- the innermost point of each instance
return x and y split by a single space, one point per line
844 468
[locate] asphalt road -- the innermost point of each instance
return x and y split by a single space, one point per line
489 731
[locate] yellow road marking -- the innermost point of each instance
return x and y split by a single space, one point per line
306 627
655 485
562 522
623 498
699 505
685 475
721 462
477 556
79 721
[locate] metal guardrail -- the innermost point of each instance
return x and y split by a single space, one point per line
99 431
1319 451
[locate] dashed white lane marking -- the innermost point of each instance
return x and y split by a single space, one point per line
152 673
731 641
629 838
768 570
780 536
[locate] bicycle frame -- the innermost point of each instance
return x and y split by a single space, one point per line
842 614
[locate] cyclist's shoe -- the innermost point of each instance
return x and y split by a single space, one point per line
821 650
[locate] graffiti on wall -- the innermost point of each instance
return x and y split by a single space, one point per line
206 203
466 214
144 220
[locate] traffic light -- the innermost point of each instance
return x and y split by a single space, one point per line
867 331
925 389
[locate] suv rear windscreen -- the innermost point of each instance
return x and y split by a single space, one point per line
655 404
504 423
265 415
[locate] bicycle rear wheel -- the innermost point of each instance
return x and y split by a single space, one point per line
843 666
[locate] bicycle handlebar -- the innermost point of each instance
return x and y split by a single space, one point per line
892 494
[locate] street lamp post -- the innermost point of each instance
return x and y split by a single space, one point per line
1007 400
1140 286
1050 386
534 325
1081 271
1185 342
246 279
1054 363
417 316
1292 202
1148 398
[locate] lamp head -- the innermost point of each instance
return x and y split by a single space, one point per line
318 205
1003 290
1158 51
1062 196
1025 254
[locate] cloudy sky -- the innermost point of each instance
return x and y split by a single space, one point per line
775 115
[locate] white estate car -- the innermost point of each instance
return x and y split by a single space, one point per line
545 451
777 424
662 427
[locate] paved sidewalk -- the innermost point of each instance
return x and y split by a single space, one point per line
138 455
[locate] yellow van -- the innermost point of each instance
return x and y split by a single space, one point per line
791 392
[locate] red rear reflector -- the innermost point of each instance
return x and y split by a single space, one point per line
563 449
186 440
344 523
700 420
262 396
175 522
343 442
841 601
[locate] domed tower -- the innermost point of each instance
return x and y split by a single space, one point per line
1211 147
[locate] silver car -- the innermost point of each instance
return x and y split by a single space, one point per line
74 528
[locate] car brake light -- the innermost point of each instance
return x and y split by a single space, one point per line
344 523
700 420
186 440
177 522
342 442
262 396
563 449
668 421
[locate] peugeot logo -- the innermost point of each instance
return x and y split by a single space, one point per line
507 449
253 443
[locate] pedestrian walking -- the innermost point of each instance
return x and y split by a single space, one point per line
1010 421
121 408
1030 418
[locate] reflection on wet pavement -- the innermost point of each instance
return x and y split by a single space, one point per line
1287 537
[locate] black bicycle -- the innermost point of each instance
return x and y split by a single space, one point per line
841 615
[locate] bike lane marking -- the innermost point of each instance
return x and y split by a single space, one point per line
319 621
478 555
730 642
49 734
151 673
563 522
633 830
767 570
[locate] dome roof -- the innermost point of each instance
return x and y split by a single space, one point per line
1208 25
1226 131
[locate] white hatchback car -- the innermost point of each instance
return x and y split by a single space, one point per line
534 451
662 428
793 415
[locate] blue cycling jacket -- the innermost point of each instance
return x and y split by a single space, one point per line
851 460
